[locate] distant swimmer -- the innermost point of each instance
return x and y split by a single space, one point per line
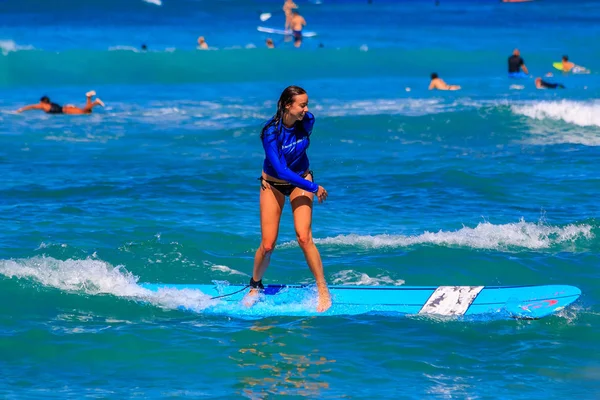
516 65
542 84
270 44
52 108
202 45
288 6
144 47
439 84
296 24
567 66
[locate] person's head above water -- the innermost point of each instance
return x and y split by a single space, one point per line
565 58
45 99
434 76
516 52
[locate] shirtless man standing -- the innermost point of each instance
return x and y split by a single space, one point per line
202 45
296 24
288 6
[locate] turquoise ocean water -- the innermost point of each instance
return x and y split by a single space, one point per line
496 184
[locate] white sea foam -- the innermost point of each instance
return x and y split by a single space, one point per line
519 235
155 2
579 113
124 48
7 46
95 277
227 270
351 277
413 107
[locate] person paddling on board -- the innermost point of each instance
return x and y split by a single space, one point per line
438 83
568 66
52 108
516 65
286 172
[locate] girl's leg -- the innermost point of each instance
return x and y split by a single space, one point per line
271 207
302 205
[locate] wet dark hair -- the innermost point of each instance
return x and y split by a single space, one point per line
286 98
45 99
566 58
434 76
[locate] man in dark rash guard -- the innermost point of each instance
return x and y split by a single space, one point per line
516 65
286 172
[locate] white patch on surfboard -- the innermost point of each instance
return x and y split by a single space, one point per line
450 300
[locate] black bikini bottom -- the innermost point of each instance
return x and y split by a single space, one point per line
285 188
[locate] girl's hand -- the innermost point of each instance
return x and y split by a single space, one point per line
322 194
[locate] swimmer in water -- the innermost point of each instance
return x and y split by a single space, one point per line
516 64
568 66
439 84
202 45
542 84
52 108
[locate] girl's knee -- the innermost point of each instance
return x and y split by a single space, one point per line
268 247
304 239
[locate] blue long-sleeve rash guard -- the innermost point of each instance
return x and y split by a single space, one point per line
285 152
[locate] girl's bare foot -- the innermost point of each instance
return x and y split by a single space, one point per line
251 298
90 93
324 298
99 102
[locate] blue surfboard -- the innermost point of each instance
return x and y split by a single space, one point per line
527 302
518 75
